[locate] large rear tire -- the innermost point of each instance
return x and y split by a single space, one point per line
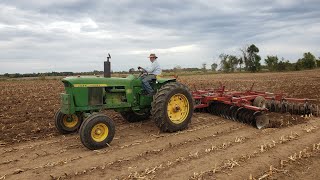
131 116
97 131
172 107
65 123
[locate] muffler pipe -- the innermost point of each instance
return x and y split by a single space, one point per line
107 67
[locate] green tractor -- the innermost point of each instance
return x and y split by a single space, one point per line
171 107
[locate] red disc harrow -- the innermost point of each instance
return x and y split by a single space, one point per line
250 106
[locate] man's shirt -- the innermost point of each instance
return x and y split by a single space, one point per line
155 68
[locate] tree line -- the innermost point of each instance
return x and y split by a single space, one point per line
250 61
18 75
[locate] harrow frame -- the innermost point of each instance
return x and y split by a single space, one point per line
230 104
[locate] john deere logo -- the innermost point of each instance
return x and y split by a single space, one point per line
89 85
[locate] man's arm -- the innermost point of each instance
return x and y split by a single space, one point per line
148 69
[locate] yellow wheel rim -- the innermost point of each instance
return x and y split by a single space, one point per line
99 132
70 121
178 108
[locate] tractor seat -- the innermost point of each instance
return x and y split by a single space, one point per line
155 80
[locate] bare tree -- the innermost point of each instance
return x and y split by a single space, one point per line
204 67
244 57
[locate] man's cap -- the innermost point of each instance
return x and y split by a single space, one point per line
152 55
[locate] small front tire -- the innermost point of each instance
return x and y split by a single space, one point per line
66 124
97 131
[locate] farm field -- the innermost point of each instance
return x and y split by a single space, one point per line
211 148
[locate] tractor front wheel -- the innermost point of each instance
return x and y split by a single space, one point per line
97 131
172 107
66 124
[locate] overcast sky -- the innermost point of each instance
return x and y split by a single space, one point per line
76 35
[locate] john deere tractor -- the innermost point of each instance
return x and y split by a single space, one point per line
171 107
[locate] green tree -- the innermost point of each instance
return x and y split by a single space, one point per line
308 61
225 65
251 58
228 62
233 61
272 62
282 66
298 65
214 66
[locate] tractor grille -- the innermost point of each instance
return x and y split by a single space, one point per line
95 95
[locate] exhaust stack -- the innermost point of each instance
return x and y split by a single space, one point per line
107 67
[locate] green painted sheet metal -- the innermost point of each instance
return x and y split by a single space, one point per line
75 99
90 81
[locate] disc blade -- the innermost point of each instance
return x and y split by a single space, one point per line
262 121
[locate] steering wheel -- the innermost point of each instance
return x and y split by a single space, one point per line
142 72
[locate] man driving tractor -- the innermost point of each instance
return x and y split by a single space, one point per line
151 74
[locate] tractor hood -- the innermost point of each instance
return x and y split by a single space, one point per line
96 81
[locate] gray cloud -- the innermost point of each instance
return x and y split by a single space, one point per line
75 35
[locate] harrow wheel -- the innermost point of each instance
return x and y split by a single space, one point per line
97 131
131 116
65 123
172 107
259 101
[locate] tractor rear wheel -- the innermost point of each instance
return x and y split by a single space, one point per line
97 131
65 123
131 116
172 107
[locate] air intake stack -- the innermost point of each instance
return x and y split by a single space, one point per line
107 67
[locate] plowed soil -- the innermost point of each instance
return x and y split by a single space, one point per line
211 147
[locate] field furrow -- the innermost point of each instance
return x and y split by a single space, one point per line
211 147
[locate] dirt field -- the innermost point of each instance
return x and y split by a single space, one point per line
211 148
